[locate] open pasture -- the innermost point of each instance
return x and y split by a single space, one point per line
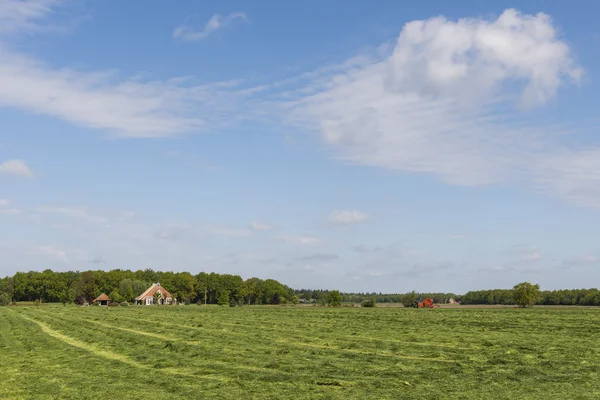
195 352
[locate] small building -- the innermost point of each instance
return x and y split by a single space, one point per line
155 294
102 300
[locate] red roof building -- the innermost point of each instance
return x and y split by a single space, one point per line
103 299
155 294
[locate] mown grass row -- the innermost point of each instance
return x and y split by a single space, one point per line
278 352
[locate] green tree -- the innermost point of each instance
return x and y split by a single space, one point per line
408 300
223 298
86 289
126 289
525 294
4 299
116 296
334 298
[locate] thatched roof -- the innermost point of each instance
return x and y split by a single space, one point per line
102 297
153 289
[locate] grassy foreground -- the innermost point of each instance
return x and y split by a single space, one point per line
193 352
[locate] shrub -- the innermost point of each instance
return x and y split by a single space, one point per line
5 299
409 299
370 302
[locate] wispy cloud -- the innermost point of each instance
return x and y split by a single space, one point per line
581 260
216 22
56 253
233 232
260 226
446 99
301 240
4 203
76 212
16 167
105 100
347 217
528 253
17 16
319 257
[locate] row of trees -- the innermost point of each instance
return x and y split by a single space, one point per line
125 285
581 297
320 296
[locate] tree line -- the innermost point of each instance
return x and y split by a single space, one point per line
124 285
567 297
320 296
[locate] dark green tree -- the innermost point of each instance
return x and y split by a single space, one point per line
525 294
334 298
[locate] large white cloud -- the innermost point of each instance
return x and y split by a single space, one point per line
449 99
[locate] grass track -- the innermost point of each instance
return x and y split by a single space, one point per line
298 352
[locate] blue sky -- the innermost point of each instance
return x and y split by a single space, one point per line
361 146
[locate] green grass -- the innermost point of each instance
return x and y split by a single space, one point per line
195 352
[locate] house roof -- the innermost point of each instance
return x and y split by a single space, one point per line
102 297
153 289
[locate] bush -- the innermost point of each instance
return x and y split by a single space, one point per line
370 302
125 304
36 303
409 299
5 299
114 304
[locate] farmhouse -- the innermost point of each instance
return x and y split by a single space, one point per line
155 294
103 299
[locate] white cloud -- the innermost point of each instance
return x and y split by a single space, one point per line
215 23
76 212
319 257
234 232
534 255
581 260
4 202
58 254
528 253
15 167
125 106
127 214
260 226
17 16
301 240
442 100
10 211
347 217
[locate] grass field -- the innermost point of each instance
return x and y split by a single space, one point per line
194 352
